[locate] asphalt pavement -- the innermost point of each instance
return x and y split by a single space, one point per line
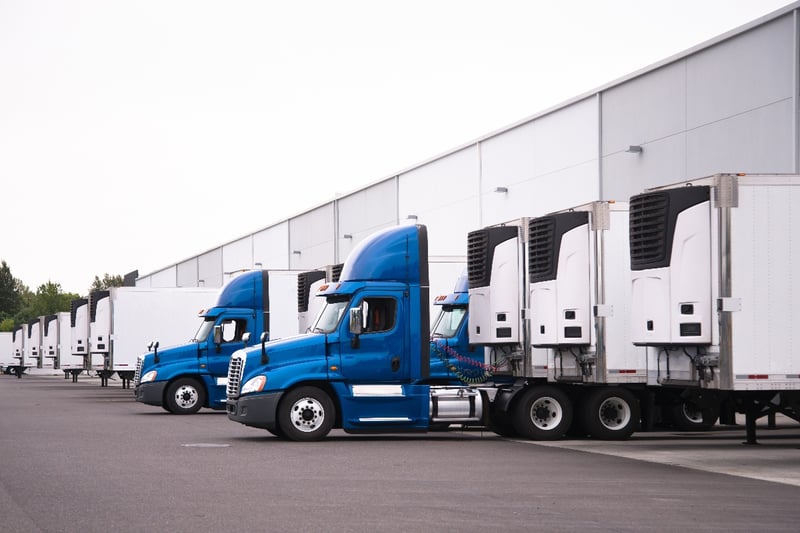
84 458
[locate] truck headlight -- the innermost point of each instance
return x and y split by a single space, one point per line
255 384
149 376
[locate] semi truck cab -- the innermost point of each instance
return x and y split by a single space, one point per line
365 364
185 378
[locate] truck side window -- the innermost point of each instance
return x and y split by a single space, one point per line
233 329
379 314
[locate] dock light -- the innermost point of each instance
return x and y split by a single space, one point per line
501 190
634 149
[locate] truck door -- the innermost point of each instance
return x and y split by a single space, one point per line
378 354
217 359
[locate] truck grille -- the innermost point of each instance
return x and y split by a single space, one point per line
138 374
235 370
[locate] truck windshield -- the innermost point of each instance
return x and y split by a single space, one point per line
205 328
448 321
329 317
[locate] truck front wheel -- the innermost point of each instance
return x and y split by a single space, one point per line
543 413
306 414
611 413
185 396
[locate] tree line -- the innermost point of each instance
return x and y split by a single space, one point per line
19 304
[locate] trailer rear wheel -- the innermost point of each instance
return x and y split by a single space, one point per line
611 413
543 413
306 414
687 416
185 396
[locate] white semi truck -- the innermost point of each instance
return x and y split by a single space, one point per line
715 297
124 320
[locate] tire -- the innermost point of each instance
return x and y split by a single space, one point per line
611 413
185 396
687 416
500 423
306 414
276 432
543 413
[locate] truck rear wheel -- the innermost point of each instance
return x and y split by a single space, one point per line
543 413
687 416
185 396
611 413
306 414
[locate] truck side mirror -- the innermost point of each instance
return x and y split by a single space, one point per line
356 320
153 347
356 325
218 336
264 339
246 337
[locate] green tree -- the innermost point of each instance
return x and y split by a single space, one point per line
7 324
49 299
107 282
10 298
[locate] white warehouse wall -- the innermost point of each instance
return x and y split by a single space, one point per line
364 212
312 238
271 247
450 208
237 256
728 105
547 164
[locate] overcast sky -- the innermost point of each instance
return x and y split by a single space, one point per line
136 134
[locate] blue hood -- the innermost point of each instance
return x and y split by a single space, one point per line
170 354
288 350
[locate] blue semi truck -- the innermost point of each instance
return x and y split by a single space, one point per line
365 366
183 379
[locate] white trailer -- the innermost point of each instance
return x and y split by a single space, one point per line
124 320
578 269
79 336
18 348
551 298
49 351
33 343
7 361
61 350
714 296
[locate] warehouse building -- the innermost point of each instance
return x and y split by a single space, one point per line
727 105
